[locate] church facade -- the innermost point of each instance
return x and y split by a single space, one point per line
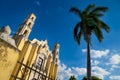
23 59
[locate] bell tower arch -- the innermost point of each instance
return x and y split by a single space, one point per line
26 27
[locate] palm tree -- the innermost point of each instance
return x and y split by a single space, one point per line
89 23
72 78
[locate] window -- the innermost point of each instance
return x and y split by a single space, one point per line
29 24
40 61
25 33
32 18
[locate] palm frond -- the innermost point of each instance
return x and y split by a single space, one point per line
96 21
105 26
79 37
101 24
89 8
100 9
76 11
77 32
98 33
96 14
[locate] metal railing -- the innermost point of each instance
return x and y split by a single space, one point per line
27 70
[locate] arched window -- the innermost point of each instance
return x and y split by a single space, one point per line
32 18
25 33
40 61
29 24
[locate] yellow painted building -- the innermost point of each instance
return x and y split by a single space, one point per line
26 59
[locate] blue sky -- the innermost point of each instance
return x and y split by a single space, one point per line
55 23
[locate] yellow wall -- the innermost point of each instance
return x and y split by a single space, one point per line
8 59
23 54
55 71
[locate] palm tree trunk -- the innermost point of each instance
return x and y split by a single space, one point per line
88 61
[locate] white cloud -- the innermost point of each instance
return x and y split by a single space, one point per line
114 77
112 62
79 71
99 72
115 59
97 53
95 62
115 66
65 72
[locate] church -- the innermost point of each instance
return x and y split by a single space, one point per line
24 59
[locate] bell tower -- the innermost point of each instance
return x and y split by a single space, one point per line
55 52
24 31
54 63
26 27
